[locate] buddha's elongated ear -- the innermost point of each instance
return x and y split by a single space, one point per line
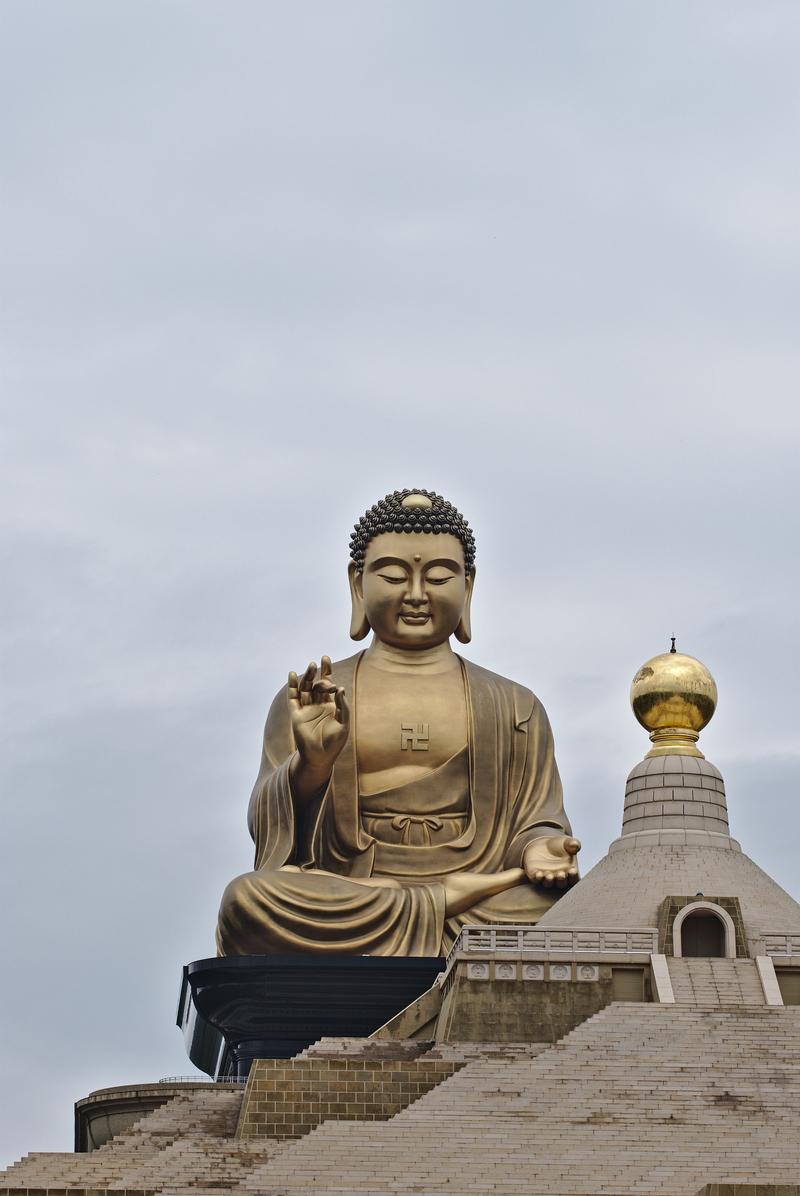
359 623
463 632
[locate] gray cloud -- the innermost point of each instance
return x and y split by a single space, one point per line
263 263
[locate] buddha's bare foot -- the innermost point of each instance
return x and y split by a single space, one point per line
465 889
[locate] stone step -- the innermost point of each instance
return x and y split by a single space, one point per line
641 1098
715 981
178 1141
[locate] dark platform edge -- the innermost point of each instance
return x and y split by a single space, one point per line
238 1008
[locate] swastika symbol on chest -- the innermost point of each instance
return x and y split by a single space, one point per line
415 736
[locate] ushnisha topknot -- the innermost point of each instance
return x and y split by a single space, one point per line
421 511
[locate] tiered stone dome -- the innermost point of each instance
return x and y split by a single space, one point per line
675 793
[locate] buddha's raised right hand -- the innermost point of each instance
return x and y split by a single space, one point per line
320 718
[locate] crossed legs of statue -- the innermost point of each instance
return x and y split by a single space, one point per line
291 910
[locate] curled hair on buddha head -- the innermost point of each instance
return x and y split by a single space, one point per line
420 511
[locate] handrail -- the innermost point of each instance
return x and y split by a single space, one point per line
781 944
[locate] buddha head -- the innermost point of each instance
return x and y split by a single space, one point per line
411 571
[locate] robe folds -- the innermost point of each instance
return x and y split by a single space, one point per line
323 883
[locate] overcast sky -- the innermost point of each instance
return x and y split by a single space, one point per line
262 263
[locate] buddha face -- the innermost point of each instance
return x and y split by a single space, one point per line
414 589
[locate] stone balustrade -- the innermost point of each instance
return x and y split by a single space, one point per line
546 942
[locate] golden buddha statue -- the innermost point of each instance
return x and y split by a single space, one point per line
403 792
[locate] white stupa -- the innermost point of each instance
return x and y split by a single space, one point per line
675 839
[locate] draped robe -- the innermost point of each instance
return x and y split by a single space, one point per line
323 883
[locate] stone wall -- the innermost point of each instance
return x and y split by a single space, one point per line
286 1098
516 1000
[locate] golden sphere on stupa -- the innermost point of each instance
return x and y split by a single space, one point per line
673 697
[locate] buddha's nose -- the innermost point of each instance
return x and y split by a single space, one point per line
415 594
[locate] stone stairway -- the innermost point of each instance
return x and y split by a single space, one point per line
715 981
186 1145
189 1145
640 1099
367 1079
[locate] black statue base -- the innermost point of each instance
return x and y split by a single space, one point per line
246 1007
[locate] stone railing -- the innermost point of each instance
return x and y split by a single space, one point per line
546 942
781 944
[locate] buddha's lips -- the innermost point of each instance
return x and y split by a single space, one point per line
416 617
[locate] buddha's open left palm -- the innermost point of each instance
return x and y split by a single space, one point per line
320 715
551 861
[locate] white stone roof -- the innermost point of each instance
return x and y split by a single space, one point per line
674 842
627 886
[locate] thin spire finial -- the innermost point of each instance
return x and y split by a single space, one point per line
673 648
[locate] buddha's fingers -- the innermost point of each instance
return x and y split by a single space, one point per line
323 690
292 690
572 846
306 682
342 708
325 667
561 880
540 877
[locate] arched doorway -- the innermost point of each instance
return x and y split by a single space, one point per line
702 934
704 930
